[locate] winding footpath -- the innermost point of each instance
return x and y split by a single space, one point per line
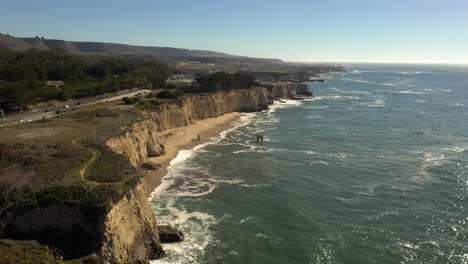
94 154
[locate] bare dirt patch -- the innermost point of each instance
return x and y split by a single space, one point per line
41 132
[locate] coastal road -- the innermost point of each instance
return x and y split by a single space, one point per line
51 111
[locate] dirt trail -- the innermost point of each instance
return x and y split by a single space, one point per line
93 157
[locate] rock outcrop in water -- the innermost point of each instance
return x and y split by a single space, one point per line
168 234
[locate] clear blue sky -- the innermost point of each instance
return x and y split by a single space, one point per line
293 30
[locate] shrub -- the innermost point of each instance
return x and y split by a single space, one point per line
169 94
110 167
148 105
222 81
107 193
104 112
131 183
23 253
131 100
171 86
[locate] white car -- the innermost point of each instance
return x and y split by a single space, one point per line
67 106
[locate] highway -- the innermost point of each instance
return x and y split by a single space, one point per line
51 111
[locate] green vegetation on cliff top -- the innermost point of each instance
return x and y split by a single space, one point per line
65 162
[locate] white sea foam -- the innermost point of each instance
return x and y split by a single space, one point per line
340 156
397 72
314 116
184 155
349 92
250 149
335 96
406 82
247 219
401 92
408 245
321 162
196 227
383 214
434 159
430 160
286 104
317 107
262 149
411 92
194 191
407 73
376 103
457 149
369 82
257 148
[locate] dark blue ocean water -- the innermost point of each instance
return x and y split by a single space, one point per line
374 170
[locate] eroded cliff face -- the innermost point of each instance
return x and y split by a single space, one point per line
130 233
288 90
143 139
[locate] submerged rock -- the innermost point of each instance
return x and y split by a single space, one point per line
168 234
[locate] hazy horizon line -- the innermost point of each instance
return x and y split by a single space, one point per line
382 62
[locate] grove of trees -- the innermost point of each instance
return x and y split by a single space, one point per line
23 76
222 81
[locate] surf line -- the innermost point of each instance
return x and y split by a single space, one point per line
184 155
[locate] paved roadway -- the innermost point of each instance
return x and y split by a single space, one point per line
39 114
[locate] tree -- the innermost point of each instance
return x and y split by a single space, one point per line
222 81
23 76
169 94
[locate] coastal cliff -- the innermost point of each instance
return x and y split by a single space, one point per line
143 139
130 233
127 233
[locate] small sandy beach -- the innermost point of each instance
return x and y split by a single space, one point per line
182 138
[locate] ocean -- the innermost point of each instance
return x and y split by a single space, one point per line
373 170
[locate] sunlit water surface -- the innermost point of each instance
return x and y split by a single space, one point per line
374 170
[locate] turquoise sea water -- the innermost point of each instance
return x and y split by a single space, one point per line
374 170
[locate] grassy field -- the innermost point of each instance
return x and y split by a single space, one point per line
64 152
15 252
